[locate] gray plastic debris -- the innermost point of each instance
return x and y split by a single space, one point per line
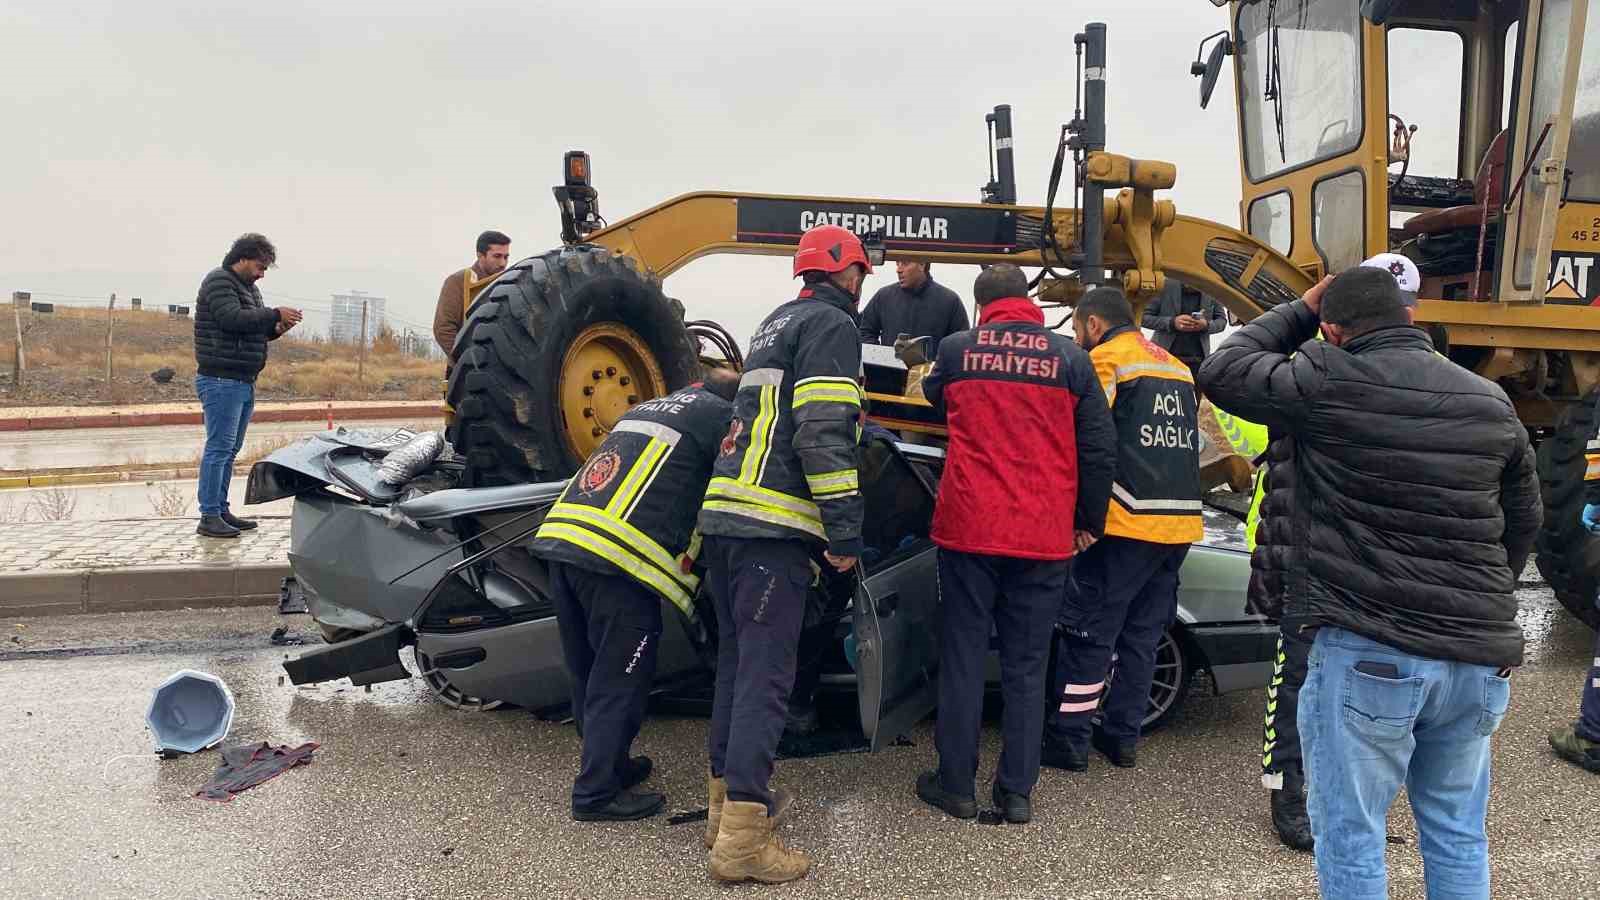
189 712
404 462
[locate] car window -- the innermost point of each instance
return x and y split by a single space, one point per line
899 506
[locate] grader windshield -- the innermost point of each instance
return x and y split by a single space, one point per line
1300 94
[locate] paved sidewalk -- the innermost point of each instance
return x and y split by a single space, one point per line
70 567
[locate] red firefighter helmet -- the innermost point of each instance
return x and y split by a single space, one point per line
829 248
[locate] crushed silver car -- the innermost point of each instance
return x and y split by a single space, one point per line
446 572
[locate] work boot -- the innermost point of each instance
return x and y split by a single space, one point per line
717 794
626 806
932 792
236 522
1289 816
1058 754
1123 754
215 527
1017 809
633 772
747 850
1575 748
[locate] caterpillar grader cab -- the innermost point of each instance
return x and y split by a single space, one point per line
1464 134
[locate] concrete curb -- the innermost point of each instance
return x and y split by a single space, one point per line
300 414
66 592
67 479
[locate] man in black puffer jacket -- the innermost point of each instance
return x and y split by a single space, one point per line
231 330
1410 505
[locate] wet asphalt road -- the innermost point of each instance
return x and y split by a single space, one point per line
407 798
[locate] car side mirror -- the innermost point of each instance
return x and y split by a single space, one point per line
1209 70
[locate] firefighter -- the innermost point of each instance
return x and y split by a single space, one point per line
1026 481
1125 586
785 485
619 541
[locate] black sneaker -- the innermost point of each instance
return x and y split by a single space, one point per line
626 806
1123 754
634 771
934 794
1061 755
1017 809
215 527
236 522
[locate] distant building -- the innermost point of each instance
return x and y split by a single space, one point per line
346 325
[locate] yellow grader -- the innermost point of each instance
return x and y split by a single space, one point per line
1490 182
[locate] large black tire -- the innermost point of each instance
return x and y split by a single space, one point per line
1568 554
509 422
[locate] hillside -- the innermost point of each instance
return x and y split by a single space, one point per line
66 359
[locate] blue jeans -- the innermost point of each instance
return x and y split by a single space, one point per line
1373 718
227 405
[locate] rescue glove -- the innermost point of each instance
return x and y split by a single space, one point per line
913 351
1591 517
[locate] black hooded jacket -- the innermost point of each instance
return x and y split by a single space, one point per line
1402 502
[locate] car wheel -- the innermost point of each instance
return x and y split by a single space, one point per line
1174 672
439 685
1173 675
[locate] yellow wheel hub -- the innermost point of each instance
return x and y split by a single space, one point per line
606 371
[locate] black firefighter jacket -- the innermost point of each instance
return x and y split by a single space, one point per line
1402 502
631 509
787 468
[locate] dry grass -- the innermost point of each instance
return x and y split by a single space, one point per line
55 504
11 508
170 501
66 362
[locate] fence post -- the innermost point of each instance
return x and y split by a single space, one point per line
18 366
361 358
110 321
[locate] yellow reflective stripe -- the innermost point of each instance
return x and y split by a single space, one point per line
755 456
833 482
751 493
1592 472
644 487
826 395
1139 370
618 556
766 514
648 457
641 543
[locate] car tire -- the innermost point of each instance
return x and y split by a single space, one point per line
550 356
1174 674
1568 555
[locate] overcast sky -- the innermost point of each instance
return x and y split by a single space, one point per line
373 141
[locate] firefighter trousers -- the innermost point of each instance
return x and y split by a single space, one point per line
1281 760
610 627
1124 596
758 588
1019 598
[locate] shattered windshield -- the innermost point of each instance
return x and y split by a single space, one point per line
1300 84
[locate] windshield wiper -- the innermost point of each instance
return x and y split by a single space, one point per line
1274 92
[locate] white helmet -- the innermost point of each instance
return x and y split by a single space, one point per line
1404 271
